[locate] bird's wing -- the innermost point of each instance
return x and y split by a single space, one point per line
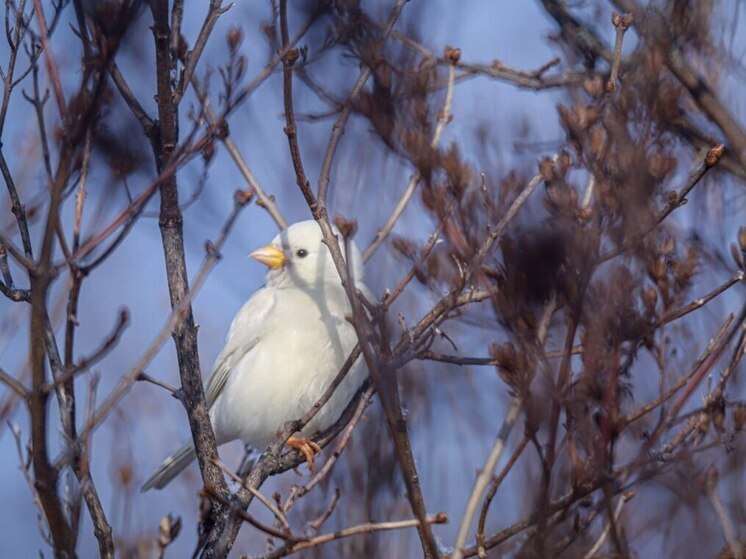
244 333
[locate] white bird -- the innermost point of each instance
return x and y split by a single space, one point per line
284 348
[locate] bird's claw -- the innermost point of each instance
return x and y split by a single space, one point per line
306 447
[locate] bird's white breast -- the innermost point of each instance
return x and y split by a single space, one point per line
301 344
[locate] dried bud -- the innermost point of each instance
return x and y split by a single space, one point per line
261 204
125 474
452 55
546 169
585 115
242 197
673 200
711 477
737 255
598 141
405 247
234 38
347 228
292 56
718 414
585 213
182 48
714 154
739 417
703 424
742 238
506 361
240 68
220 130
622 22
594 86
650 299
657 269
668 246
433 266
208 152
168 529
660 165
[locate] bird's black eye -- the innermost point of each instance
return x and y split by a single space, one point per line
301 253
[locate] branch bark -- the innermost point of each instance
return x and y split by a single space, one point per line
171 227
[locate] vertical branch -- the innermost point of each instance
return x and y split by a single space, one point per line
171 226
45 475
386 387
621 24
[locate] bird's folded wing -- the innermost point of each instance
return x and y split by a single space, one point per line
244 333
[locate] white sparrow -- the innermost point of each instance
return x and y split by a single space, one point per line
284 348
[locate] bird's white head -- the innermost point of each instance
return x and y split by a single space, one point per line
298 256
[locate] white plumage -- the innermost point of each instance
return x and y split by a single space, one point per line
284 348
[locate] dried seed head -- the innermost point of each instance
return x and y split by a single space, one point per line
714 154
650 299
348 228
405 247
234 38
742 238
242 197
737 255
594 86
208 152
546 169
452 55
739 417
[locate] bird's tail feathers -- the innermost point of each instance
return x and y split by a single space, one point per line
171 467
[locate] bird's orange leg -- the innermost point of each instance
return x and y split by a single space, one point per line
306 447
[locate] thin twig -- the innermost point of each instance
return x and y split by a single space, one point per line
621 24
366 528
214 11
602 538
675 200
14 384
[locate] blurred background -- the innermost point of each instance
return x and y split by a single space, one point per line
499 130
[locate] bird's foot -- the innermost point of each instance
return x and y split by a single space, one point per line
306 447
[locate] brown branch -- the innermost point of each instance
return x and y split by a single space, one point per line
46 475
621 24
701 301
272 463
494 486
240 513
214 11
675 201
52 70
366 528
14 384
278 514
171 226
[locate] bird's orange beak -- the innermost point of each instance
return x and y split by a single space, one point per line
270 256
